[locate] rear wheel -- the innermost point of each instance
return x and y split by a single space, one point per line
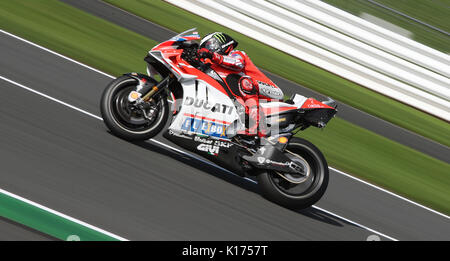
297 191
126 120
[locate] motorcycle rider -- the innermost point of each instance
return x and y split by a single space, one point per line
220 49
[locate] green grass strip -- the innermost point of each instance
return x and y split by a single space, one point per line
347 147
44 221
434 12
87 39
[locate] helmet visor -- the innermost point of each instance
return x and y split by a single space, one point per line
213 45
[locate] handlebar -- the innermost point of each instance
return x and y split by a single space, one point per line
190 54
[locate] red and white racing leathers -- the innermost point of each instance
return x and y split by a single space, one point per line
248 88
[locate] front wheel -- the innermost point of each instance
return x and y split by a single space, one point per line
127 121
297 191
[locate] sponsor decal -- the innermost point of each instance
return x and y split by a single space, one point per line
235 55
200 103
314 105
227 44
269 90
261 160
203 140
222 144
201 126
220 37
262 150
231 60
289 164
210 149
178 135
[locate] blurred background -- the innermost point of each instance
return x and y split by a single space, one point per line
386 62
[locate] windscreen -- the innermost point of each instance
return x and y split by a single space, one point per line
186 35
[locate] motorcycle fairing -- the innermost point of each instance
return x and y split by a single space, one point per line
208 103
311 103
204 110
222 152
206 107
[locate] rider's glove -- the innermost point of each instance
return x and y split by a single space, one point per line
204 53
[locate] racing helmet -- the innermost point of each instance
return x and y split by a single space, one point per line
218 43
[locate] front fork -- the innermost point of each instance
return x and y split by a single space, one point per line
146 88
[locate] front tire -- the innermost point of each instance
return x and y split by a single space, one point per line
125 122
297 195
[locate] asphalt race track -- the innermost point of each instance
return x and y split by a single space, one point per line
65 159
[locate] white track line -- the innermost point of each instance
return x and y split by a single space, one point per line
390 193
158 142
110 76
354 223
62 215
49 97
55 53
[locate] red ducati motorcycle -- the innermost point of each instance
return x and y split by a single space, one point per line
207 116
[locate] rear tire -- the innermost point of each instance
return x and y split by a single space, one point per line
290 195
125 123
